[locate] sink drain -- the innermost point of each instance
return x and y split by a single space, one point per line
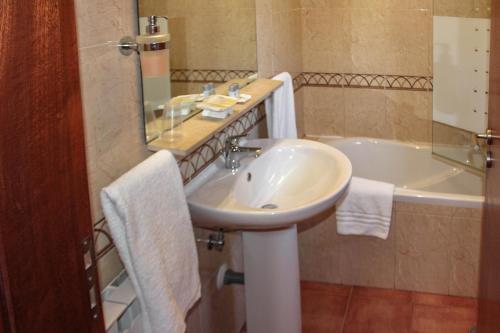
269 206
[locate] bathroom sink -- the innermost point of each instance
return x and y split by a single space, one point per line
265 198
290 182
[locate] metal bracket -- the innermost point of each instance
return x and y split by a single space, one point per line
214 241
128 45
90 275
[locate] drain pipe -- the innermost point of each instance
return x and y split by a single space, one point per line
225 276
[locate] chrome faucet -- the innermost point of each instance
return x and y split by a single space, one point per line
233 152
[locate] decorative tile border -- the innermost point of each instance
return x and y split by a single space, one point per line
313 79
371 81
192 165
297 82
208 75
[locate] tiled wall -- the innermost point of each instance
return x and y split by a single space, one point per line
368 37
463 8
382 37
379 113
115 144
279 40
111 102
431 249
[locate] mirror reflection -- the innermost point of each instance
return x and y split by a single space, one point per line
208 43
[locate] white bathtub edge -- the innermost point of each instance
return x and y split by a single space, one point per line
435 198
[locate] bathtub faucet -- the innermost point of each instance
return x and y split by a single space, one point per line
233 152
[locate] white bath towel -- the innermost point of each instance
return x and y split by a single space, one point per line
149 221
366 209
280 110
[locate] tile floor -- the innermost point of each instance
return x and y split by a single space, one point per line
333 308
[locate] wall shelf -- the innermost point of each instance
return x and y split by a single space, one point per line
197 130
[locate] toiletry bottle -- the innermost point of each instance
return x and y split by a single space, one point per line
208 90
234 90
155 55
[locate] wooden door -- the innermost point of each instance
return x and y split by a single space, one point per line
44 203
489 305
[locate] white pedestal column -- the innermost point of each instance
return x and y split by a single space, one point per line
272 281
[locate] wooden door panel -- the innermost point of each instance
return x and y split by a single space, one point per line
489 305
44 199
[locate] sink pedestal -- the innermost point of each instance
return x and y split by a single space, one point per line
272 281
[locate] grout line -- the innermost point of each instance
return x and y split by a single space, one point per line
347 308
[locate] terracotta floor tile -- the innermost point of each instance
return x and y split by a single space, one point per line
373 310
441 300
433 319
323 308
369 313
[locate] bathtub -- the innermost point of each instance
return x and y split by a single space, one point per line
419 177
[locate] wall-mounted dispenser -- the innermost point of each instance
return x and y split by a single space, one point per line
152 46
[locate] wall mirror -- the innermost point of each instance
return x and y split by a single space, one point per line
208 42
461 79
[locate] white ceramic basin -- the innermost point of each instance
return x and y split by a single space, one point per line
290 182
266 197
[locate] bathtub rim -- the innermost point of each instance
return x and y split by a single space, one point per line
418 196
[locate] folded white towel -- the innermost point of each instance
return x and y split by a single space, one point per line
149 221
366 209
280 110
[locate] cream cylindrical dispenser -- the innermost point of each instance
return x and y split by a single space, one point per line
154 49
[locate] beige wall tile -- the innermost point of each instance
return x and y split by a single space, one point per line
299 112
367 36
220 310
422 261
325 3
320 251
116 15
424 209
409 114
320 264
465 239
279 30
368 41
368 261
463 8
430 248
324 111
408 42
391 114
365 113
112 116
326 40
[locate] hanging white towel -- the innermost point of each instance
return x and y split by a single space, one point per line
149 221
280 110
366 209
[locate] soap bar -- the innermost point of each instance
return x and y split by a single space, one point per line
244 98
216 114
217 103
